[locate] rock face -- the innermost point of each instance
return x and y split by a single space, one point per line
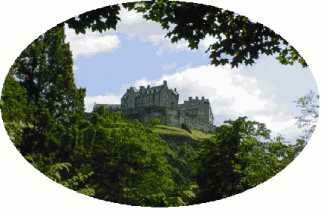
160 102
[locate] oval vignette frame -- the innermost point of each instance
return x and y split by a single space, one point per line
66 167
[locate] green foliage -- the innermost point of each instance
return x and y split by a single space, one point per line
100 20
185 127
123 161
129 161
240 156
154 121
105 155
200 135
237 39
14 107
261 161
43 73
41 105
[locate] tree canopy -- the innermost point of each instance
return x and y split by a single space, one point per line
237 40
240 156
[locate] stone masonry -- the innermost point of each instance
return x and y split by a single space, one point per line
160 102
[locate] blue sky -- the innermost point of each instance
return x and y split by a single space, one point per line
138 54
133 60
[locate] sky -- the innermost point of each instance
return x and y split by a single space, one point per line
137 53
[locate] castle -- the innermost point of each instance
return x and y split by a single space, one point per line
160 102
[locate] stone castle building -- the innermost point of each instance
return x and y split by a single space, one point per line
160 102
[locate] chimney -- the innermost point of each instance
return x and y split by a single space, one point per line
165 82
148 86
190 98
175 89
196 97
202 98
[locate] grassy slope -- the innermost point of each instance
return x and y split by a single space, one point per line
173 131
187 148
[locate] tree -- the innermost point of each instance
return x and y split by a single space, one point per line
237 39
14 108
221 173
130 162
41 106
241 156
309 107
44 71
97 20
262 160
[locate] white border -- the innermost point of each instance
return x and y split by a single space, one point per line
299 189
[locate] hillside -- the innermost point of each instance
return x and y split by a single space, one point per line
186 147
179 133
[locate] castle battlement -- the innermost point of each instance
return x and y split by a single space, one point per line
197 100
161 102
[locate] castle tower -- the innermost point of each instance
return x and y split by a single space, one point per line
197 113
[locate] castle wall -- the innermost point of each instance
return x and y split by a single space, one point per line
168 98
128 100
173 117
162 102
196 113
156 114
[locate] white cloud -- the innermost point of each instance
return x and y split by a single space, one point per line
75 68
165 46
231 95
100 99
91 43
206 42
130 17
135 26
169 66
